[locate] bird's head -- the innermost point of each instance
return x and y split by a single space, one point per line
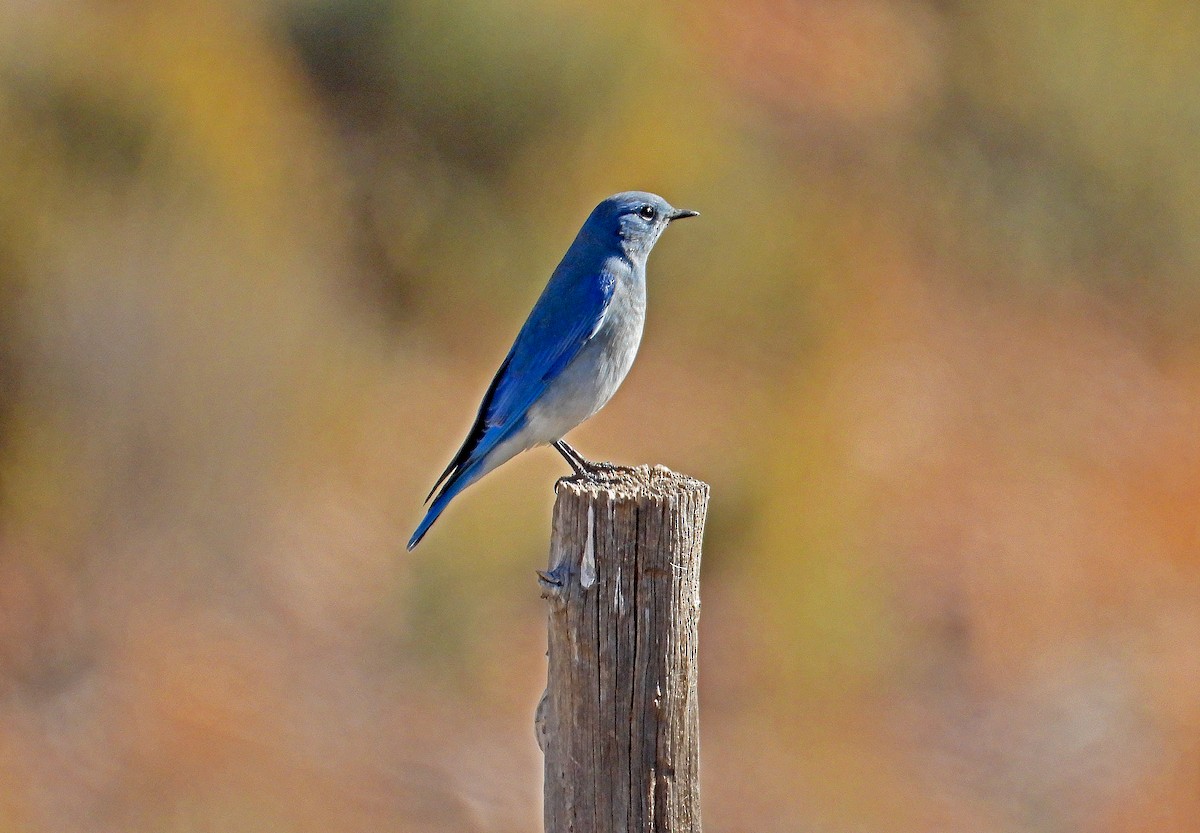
632 221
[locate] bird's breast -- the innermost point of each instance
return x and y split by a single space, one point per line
588 382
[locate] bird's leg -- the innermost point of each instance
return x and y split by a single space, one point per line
580 464
573 458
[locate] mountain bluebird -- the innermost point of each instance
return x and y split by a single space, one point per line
573 351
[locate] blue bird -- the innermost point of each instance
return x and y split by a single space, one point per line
573 351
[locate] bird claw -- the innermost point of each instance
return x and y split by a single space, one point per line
600 472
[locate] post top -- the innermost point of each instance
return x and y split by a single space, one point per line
633 482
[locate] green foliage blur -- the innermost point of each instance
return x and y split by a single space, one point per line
933 342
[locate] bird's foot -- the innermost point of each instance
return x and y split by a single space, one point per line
583 467
598 471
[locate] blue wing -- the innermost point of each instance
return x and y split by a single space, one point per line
561 323
565 317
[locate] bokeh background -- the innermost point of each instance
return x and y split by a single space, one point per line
933 342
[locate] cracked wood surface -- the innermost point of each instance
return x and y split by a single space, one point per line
619 722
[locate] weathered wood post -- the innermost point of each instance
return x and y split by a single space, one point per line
619 723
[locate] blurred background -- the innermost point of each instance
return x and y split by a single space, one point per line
934 343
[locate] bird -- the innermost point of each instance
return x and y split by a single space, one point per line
572 353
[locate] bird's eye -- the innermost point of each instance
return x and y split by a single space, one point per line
647 212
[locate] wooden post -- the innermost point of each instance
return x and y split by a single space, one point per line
619 723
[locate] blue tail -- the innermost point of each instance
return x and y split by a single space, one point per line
447 494
455 483
466 467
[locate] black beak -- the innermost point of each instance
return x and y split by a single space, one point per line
682 213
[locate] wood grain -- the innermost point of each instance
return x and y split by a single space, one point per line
620 723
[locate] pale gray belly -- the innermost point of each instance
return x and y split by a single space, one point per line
588 382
